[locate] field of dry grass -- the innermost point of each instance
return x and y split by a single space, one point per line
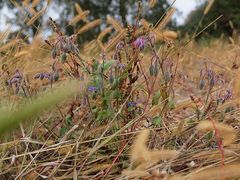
145 105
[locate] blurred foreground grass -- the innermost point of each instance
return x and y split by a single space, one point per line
29 110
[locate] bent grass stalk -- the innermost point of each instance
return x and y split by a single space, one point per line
45 101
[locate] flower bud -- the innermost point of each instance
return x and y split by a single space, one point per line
201 84
63 57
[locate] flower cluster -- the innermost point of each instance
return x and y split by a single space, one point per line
64 44
222 98
131 104
16 81
52 77
210 76
42 76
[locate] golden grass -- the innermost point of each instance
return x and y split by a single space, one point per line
152 3
89 26
80 11
226 132
229 171
36 16
117 26
79 17
142 158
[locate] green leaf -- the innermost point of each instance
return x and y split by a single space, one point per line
131 108
157 121
63 131
156 98
151 70
171 104
124 75
95 65
116 94
69 120
209 135
104 115
229 109
108 64
115 83
55 76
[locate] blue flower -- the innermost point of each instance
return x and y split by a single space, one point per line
92 88
131 104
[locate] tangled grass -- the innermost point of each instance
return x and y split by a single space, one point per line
146 106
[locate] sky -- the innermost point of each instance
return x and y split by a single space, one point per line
184 6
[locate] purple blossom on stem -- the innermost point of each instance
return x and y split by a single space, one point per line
120 46
224 97
131 104
210 76
15 80
92 88
52 77
64 44
122 66
140 43
42 76
228 95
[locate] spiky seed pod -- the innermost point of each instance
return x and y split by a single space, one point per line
36 16
89 26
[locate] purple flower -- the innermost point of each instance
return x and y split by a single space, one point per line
210 75
140 43
131 104
64 44
122 66
207 73
92 88
52 76
120 46
227 96
42 76
16 80
115 56
224 97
